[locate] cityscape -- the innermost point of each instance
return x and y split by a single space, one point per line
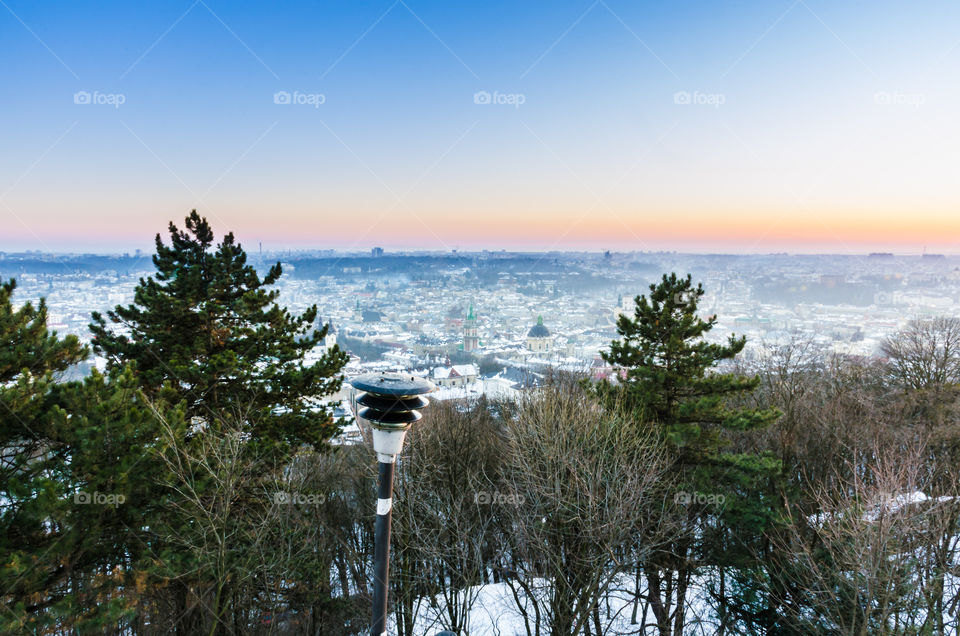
439 313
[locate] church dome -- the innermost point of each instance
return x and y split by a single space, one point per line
538 330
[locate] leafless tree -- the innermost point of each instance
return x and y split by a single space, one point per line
253 547
851 567
926 354
582 486
443 547
212 524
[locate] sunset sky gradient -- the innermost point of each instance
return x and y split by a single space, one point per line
838 128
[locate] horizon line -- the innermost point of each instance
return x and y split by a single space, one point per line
131 253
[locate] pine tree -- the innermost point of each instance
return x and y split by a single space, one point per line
28 347
64 553
671 385
30 359
206 330
669 380
205 333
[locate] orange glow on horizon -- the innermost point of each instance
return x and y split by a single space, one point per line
670 231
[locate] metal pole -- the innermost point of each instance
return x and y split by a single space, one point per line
390 402
381 550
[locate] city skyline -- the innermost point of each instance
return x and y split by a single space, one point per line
754 127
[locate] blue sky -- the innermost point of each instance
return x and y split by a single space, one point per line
812 125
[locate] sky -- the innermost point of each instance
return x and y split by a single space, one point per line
774 125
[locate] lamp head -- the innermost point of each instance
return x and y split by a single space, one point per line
392 403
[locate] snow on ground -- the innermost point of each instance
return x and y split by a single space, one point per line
494 611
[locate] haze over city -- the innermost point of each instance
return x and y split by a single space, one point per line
800 125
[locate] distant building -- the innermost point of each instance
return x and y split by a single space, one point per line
471 340
510 382
330 340
458 375
572 346
620 309
376 252
538 338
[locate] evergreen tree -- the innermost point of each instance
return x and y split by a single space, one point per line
206 330
670 383
71 488
668 367
30 360
29 349
205 333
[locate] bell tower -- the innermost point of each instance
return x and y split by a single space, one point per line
470 338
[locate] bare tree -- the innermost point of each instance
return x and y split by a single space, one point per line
443 533
582 485
851 567
214 521
926 354
259 547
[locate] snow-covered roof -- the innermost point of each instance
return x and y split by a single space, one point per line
456 371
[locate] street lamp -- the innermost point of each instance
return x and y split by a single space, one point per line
391 402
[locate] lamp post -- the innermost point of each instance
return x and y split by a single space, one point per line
391 402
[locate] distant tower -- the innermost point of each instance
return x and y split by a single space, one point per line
538 338
619 309
376 252
470 339
571 347
331 339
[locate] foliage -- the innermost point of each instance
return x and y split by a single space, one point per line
207 330
67 445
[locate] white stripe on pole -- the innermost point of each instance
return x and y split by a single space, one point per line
384 506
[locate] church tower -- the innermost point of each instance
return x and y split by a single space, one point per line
470 338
